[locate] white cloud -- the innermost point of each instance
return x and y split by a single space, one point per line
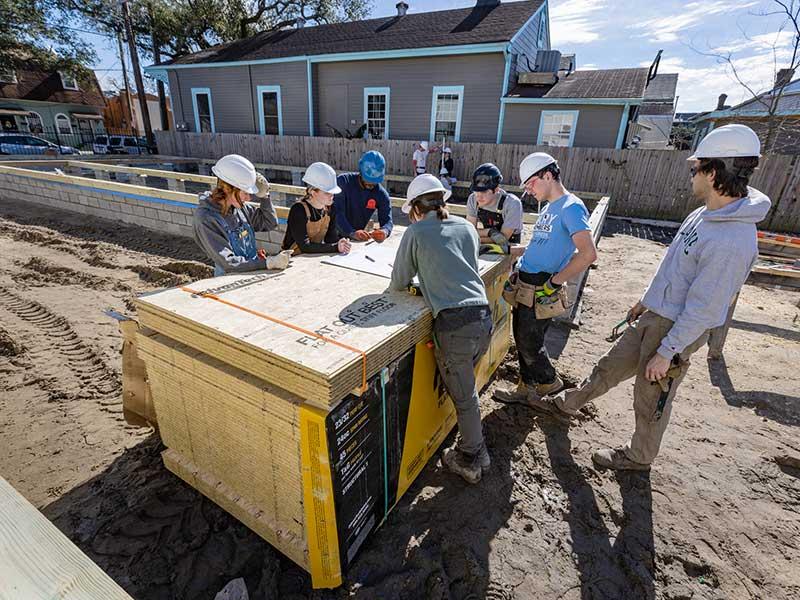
700 86
588 67
575 22
668 28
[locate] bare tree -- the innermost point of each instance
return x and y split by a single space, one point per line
785 59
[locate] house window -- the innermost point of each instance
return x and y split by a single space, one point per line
376 113
203 110
8 76
68 81
62 123
557 127
33 123
446 113
270 110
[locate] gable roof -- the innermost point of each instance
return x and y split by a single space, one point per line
45 86
602 83
475 25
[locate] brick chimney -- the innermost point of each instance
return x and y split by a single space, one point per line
783 77
300 22
721 101
402 9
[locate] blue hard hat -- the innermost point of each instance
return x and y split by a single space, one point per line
372 167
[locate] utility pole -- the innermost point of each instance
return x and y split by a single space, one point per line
131 122
162 97
137 73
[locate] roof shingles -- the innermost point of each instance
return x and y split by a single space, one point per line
475 25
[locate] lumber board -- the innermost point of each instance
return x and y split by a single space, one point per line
269 325
38 562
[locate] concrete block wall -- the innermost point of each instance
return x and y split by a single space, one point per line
164 216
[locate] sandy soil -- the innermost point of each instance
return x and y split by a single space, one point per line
717 517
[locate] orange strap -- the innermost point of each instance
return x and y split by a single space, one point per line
290 326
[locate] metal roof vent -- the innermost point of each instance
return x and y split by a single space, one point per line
402 9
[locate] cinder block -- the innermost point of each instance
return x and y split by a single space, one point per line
165 216
151 213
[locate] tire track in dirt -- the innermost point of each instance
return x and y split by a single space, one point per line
93 377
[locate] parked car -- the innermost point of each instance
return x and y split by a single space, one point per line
21 143
100 145
126 144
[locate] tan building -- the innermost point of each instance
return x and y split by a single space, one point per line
118 112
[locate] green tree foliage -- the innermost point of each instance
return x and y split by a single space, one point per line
35 32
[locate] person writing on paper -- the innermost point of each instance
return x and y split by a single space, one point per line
311 226
442 251
361 194
225 221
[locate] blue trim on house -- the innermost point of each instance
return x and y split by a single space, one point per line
377 91
310 99
506 75
595 101
528 22
260 89
623 124
347 56
447 89
195 93
572 130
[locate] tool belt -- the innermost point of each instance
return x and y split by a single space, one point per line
516 292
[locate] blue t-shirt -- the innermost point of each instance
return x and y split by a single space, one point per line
551 247
355 205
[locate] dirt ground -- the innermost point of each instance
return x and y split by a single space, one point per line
716 518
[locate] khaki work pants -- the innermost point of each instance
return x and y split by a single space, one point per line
629 357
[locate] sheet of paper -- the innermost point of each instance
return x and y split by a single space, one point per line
373 259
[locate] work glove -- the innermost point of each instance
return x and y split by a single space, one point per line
263 186
361 235
279 261
379 235
500 240
548 289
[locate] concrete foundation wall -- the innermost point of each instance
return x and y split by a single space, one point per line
163 216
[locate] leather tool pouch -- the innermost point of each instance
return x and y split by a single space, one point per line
551 306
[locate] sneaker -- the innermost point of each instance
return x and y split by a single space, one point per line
548 406
518 395
618 460
548 389
470 466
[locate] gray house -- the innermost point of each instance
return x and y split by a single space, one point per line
445 74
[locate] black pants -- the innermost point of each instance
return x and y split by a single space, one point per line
529 332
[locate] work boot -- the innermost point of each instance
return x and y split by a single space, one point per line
616 459
470 466
548 406
515 396
548 389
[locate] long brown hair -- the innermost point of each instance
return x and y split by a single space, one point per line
222 190
422 205
731 176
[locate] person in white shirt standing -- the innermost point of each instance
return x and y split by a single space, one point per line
420 157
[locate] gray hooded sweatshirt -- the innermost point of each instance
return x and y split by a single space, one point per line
705 266
212 232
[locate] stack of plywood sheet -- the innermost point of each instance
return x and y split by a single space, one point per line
303 402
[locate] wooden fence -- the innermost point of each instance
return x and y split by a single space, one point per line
648 184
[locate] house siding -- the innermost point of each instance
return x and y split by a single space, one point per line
233 95
597 127
339 93
527 45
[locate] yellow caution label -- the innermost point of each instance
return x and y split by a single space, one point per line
318 501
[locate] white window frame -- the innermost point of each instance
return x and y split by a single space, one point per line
69 121
574 128
64 83
196 92
13 76
260 91
377 91
452 89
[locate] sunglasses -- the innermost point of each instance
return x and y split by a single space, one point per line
694 171
483 181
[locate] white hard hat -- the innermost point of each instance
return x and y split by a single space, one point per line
423 184
237 171
423 145
729 141
322 176
448 151
533 163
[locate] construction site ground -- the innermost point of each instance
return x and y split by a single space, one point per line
718 517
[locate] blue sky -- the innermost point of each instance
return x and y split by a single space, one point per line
628 33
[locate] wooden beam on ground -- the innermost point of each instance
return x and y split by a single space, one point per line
38 562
